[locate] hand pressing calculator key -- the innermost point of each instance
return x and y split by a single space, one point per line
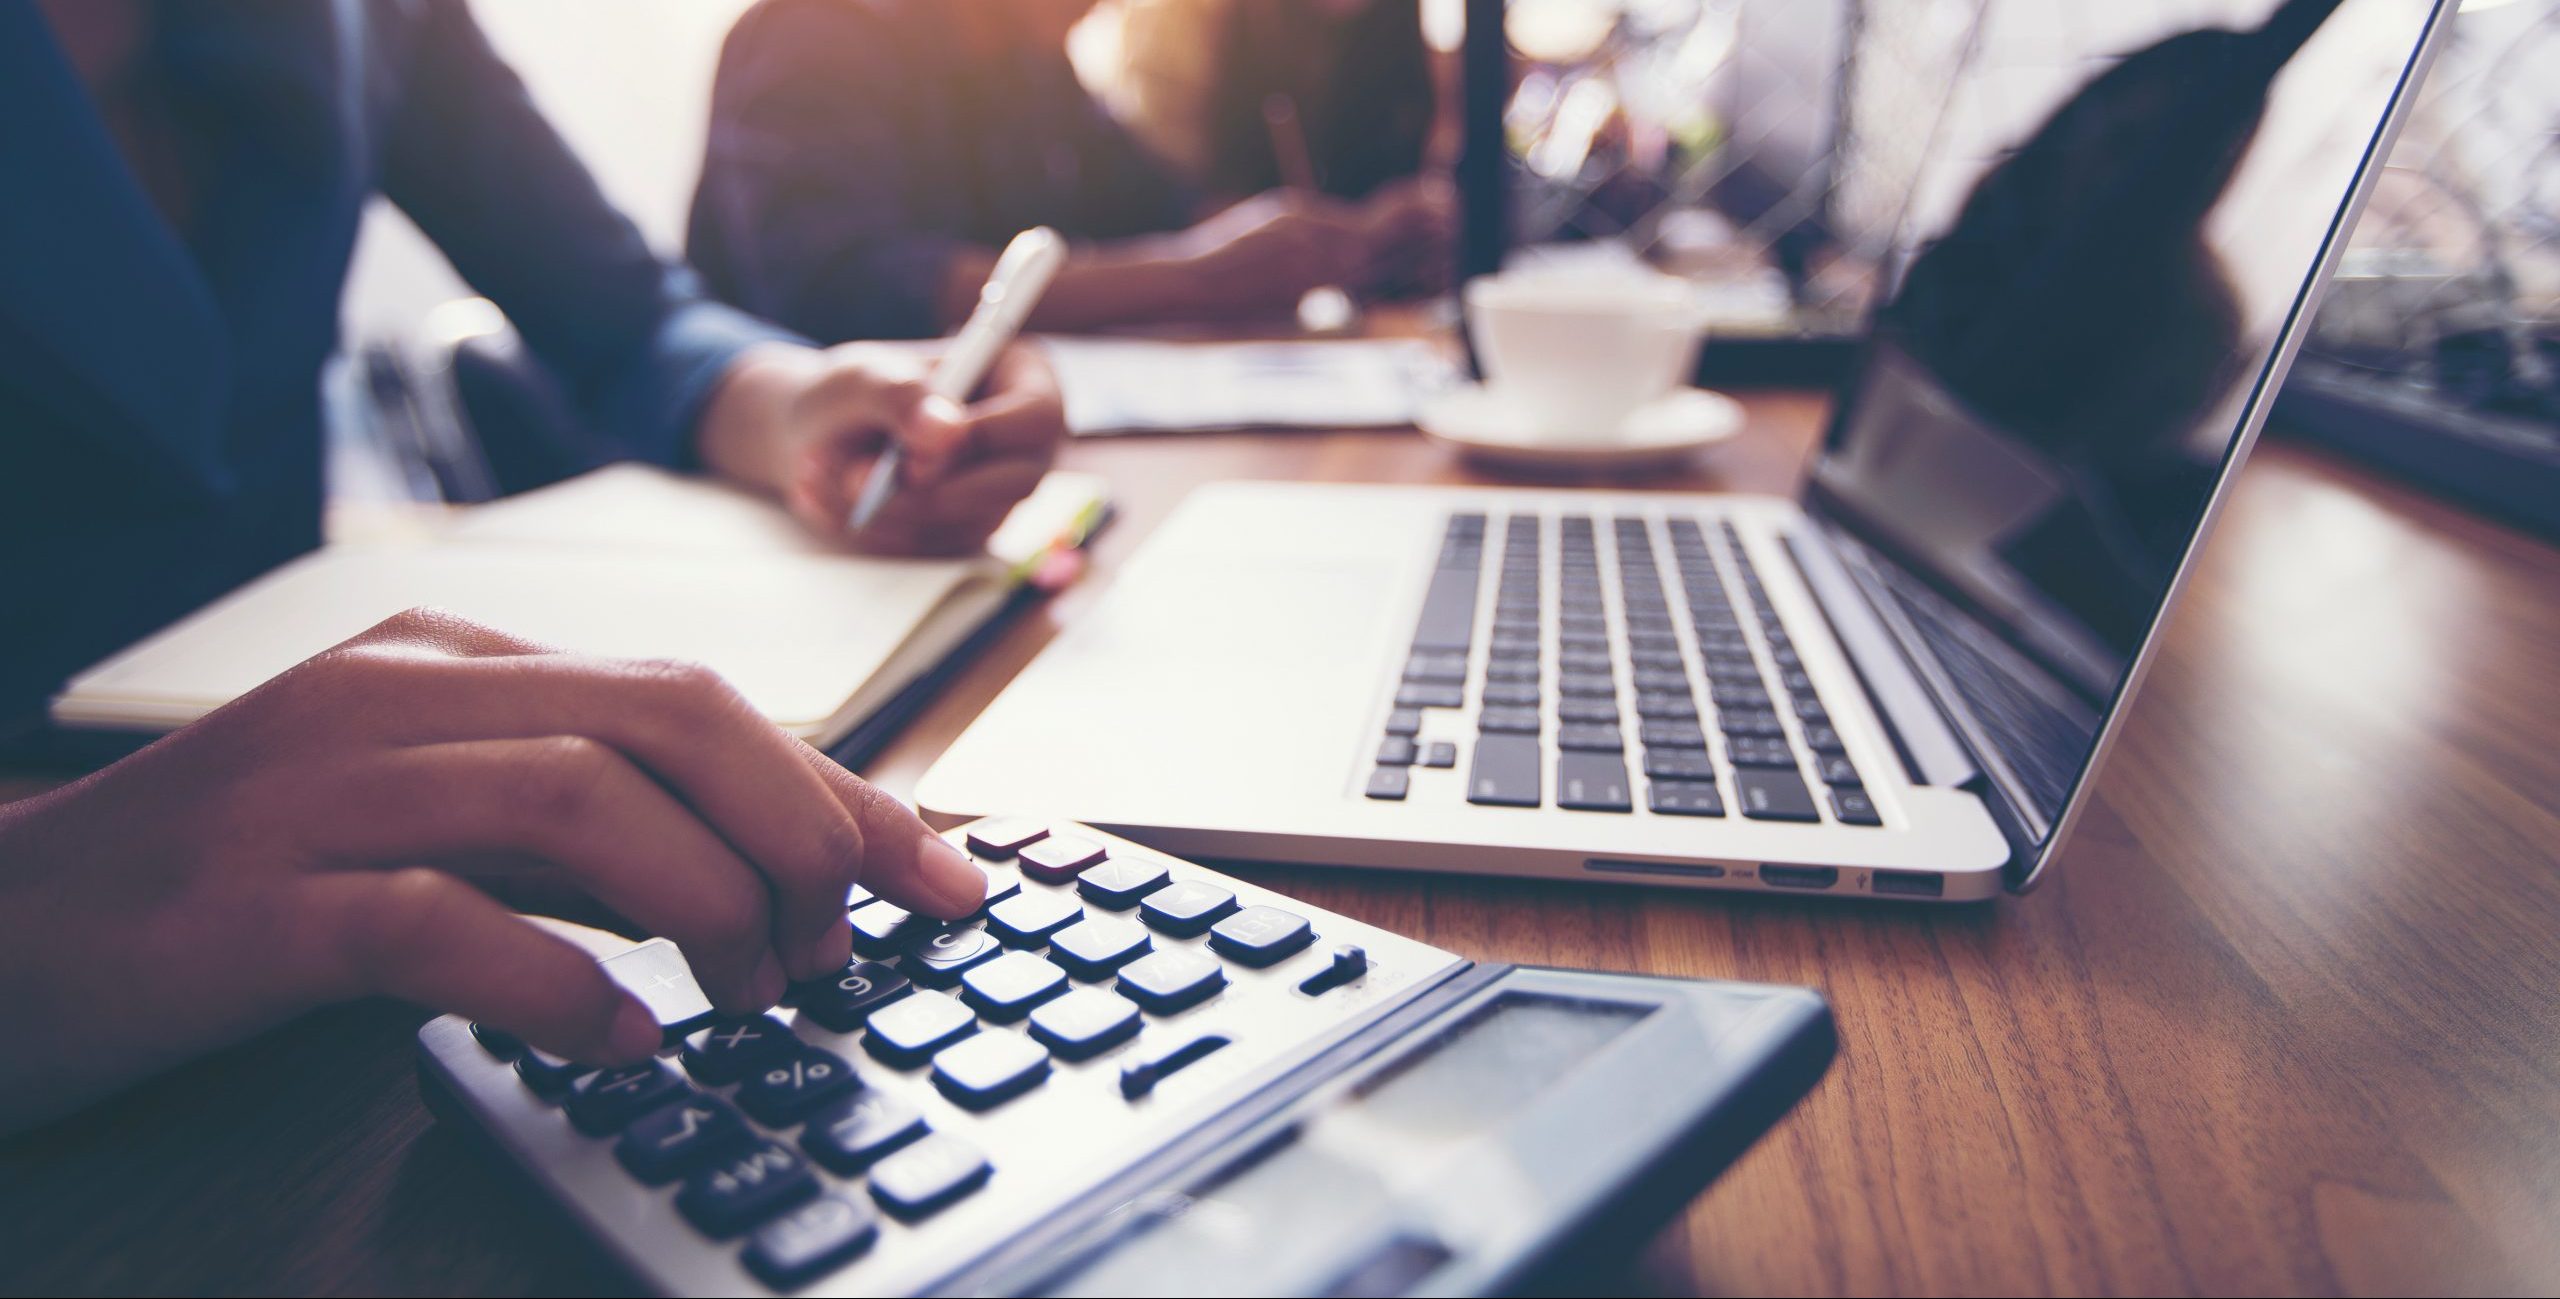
1130 1075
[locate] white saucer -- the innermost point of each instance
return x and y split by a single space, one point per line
1486 426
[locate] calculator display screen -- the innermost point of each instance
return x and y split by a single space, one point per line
1280 1218
1483 1069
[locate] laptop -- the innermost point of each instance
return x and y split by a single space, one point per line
1895 685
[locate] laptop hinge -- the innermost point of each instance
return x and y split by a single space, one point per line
1936 755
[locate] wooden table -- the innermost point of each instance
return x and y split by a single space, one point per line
2286 1019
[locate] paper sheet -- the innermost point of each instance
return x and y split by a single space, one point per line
1140 386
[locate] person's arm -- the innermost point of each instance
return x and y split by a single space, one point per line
473 162
367 823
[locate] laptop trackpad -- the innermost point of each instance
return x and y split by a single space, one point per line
1205 682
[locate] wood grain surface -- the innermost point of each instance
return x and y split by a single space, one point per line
2286 1019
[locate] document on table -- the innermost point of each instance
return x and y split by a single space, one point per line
1143 386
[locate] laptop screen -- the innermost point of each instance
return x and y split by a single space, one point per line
2085 310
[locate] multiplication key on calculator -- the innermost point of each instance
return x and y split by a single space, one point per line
1128 1074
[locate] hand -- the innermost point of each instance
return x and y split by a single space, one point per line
809 427
1411 228
359 826
1263 254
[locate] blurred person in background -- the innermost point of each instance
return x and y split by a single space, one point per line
1201 79
868 158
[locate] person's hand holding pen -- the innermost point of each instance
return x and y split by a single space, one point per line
873 443
811 427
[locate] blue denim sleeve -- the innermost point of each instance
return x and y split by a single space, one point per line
472 161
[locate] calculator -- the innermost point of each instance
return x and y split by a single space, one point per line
1128 1074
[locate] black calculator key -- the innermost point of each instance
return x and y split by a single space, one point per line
724 1051
1098 945
785 1091
1515 693
1260 936
1002 837
1120 882
1836 771
1505 772
1171 980
1154 1063
1508 721
939 961
1672 735
1522 669
1430 694
1584 660
1587 684
1390 783
1059 856
1683 798
1395 751
1823 739
1750 721
1083 1022
990 1069
1007 987
745 1188
1679 764
810 1241
1590 738
1440 753
1665 660
845 1001
1588 710
1760 751
1349 963
549 1075
498 1042
905 1032
604 1102
883 928
928 1175
1774 796
673 1141
854 1134
1187 908
1404 721
1028 918
1592 782
1854 807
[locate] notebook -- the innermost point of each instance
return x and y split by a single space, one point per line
627 561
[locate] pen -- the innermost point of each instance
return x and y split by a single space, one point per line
1020 276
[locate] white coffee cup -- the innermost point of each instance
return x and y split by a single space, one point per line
1582 352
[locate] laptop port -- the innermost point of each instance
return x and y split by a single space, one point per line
1800 877
1908 884
1696 871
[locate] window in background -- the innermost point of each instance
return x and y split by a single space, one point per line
2437 352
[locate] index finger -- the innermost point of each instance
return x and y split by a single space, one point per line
746 779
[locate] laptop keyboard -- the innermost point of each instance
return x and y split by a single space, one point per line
1613 696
